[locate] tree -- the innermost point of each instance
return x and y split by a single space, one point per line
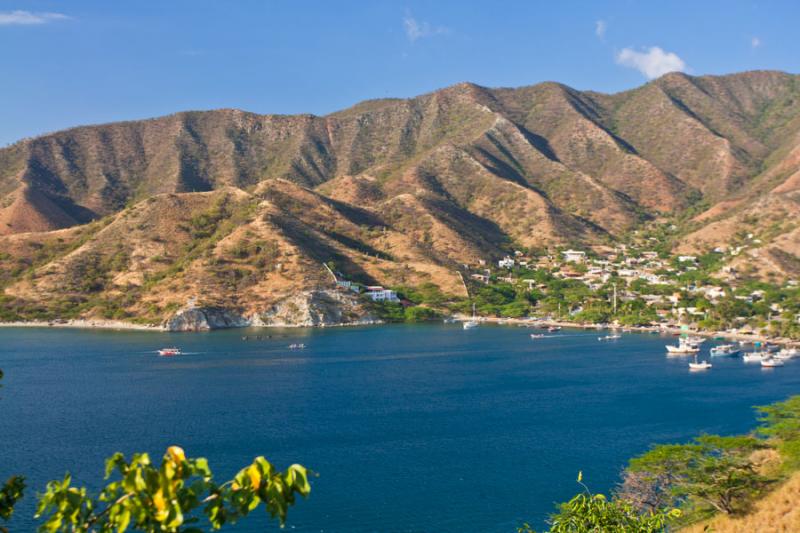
588 512
781 423
163 499
712 473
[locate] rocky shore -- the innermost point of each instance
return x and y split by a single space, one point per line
319 308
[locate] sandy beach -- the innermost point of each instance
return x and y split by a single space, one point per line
82 324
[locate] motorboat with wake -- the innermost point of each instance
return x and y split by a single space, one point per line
610 337
169 352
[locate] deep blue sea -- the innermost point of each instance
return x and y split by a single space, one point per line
411 428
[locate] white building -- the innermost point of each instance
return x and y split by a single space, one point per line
379 294
506 262
574 256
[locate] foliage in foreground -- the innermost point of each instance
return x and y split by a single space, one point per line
589 512
163 499
10 492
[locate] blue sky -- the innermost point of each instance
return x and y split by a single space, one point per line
81 62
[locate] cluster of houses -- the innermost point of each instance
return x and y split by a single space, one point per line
375 292
596 268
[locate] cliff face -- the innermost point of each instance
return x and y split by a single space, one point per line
243 209
318 308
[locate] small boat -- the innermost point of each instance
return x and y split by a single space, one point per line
469 324
683 347
537 335
699 365
787 353
725 350
169 352
612 337
771 362
752 357
695 340
553 329
299 346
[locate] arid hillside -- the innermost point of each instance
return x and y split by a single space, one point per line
241 210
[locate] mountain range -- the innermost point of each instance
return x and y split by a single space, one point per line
239 211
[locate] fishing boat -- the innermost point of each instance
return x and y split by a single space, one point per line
771 362
753 357
469 324
725 350
169 352
699 365
611 337
683 347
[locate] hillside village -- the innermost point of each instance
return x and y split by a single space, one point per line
628 284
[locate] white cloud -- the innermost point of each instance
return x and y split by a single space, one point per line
28 18
417 30
653 62
755 42
600 28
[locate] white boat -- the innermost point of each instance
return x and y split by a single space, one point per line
553 329
787 353
695 340
771 362
537 335
752 357
169 352
469 324
683 347
722 350
612 337
699 365
300 346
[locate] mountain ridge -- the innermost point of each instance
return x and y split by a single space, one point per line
414 187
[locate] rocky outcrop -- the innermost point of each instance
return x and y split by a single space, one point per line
305 309
315 308
205 318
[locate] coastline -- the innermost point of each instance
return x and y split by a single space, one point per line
545 323
528 322
130 326
82 324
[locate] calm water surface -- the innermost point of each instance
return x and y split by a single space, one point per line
411 428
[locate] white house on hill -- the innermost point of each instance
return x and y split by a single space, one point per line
379 294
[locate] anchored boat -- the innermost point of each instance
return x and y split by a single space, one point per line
684 347
699 365
725 350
